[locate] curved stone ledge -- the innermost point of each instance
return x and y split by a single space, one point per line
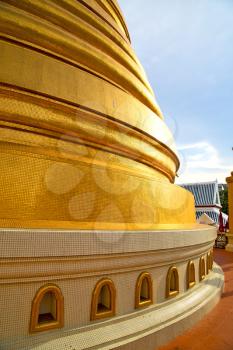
50 243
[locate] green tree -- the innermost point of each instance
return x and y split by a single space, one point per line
224 200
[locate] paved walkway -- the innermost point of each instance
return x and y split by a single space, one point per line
214 331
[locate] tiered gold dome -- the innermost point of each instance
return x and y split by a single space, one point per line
82 140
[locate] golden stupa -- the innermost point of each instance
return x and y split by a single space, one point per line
99 247
83 141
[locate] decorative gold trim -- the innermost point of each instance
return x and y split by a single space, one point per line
191 281
172 293
138 303
73 225
211 259
201 268
52 38
208 262
113 10
59 322
155 152
95 315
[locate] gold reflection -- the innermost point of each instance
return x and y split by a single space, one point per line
80 129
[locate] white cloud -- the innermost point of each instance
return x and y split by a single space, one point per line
201 162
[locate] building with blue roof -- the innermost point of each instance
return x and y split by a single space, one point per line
207 199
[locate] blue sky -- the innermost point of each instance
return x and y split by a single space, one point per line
186 49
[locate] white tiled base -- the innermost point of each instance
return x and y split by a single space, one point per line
149 328
76 260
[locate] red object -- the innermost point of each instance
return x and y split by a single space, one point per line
220 221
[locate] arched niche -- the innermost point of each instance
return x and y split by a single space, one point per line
172 282
47 309
208 263
191 280
103 300
144 290
211 259
201 268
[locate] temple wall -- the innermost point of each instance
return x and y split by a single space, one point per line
76 261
